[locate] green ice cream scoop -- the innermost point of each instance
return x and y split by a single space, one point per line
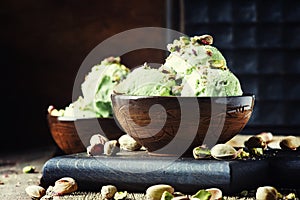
97 88
200 68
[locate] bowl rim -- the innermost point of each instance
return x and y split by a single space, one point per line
73 119
125 96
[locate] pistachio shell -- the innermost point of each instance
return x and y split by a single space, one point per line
35 191
155 192
166 196
201 152
108 191
94 150
223 152
98 139
266 193
289 143
266 136
111 147
216 194
128 143
255 142
64 185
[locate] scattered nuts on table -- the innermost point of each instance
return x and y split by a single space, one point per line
266 193
166 196
111 148
289 143
216 193
223 152
155 192
95 150
201 195
120 195
98 139
108 191
201 152
128 143
28 169
35 191
255 142
64 185
266 136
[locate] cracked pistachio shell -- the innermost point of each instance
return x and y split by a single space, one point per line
216 193
266 136
95 150
289 143
255 142
155 192
223 152
64 185
35 191
98 139
266 193
201 152
108 191
111 148
128 143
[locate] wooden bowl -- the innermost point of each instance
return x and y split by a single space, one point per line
73 136
175 125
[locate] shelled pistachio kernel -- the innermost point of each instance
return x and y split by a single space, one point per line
28 169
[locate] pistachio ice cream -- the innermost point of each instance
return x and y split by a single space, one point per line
96 89
146 81
193 68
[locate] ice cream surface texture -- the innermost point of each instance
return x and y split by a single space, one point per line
146 81
96 89
193 68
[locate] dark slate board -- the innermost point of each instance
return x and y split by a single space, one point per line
127 172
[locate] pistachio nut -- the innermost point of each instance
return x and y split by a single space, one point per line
111 148
64 185
216 193
108 191
95 150
128 143
266 193
35 191
155 192
28 169
202 195
98 139
203 39
255 142
120 195
289 143
223 152
166 196
266 136
201 152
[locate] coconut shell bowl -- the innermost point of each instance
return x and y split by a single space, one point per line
176 125
73 136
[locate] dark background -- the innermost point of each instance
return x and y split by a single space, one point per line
43 44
